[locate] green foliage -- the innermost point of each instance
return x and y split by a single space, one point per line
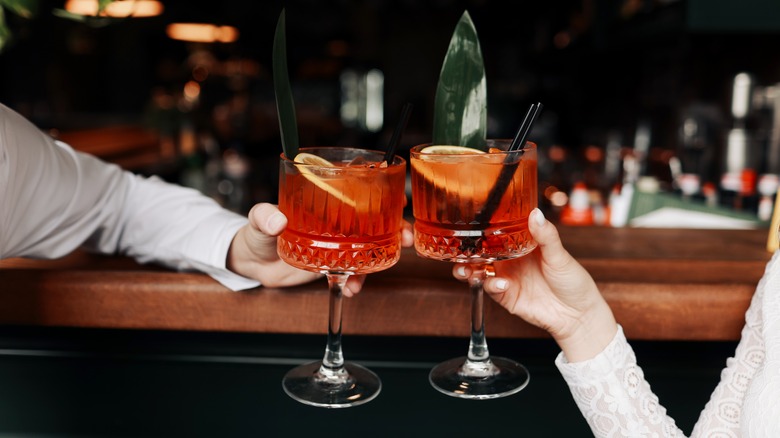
460 110
285 106
28 9
22 8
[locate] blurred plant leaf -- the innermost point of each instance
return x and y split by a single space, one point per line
29 8
102 5
96 20
22 8
5 33
285 106
89 20
460 109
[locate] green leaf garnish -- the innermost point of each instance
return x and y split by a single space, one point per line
285 106
460 110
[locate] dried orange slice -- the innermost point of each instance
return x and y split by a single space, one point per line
447 150
450 150
441 165
315 160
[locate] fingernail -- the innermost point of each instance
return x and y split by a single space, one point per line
500 284
461 271
277 221
538 217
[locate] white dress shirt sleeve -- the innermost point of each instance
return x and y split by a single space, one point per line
54 199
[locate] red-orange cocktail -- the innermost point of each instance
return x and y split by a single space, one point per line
344 214
344 209
470 206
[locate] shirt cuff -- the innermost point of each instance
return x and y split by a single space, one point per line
228 225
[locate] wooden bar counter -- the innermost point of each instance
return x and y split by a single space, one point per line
663 284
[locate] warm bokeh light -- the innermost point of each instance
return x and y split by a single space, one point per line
202 33
562 39
557 154
594 154
559 199
556 197
191 91
118 9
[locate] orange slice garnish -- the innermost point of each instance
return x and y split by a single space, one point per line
315 160
434 159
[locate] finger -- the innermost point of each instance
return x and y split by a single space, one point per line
354 285
407 235
546 235
496 285
267 218
461 272
283 275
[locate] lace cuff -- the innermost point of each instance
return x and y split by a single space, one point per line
604 364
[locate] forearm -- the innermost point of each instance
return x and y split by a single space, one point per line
190 230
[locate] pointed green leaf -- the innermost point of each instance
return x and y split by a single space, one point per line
460 111
285 106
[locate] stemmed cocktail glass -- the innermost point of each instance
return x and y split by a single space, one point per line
472 206
345 210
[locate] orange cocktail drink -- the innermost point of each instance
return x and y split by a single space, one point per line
472 206
344 208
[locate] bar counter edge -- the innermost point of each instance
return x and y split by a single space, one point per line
663 284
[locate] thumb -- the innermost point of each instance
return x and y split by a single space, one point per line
267 219
265 223
546 235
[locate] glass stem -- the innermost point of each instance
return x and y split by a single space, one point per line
478 348
333 361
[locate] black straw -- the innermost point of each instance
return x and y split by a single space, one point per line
525 127
399 129
497 192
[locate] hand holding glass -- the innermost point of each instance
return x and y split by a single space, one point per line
460 217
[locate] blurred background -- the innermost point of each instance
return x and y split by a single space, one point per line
671 96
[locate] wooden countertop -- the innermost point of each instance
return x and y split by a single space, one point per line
664 284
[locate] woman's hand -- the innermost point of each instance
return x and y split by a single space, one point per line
551 290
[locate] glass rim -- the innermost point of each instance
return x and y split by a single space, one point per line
529 145
397 159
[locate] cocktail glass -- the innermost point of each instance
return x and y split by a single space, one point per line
463 214
345 210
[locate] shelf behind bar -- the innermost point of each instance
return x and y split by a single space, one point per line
663 284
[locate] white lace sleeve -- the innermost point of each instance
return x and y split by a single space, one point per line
613 396
617 401
722 415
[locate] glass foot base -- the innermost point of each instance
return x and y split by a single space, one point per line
354 386
499 377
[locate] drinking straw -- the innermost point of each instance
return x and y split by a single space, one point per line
497 192
525 127
399 129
